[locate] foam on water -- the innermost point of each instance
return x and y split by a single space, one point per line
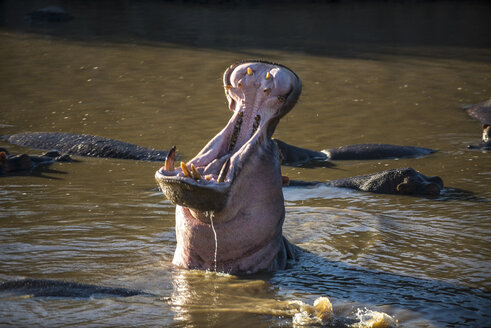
318 314
373 319
321 313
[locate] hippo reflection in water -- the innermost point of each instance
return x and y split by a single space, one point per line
233 187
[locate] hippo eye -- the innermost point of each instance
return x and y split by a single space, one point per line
239 84
281 99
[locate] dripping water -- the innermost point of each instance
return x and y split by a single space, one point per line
212 214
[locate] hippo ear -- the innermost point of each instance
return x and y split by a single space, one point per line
406 186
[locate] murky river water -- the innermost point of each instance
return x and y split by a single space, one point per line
150 73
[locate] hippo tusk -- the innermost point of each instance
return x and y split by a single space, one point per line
223 171
169 159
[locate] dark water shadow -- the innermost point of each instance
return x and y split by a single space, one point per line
350 29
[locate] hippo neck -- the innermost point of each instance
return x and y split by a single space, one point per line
249 229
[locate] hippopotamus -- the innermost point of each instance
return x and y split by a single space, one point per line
23 162
232 189
405 181
85 145
482 113
296 156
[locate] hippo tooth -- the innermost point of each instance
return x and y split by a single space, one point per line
185 170
223 171
196 174
268 76
249 71
169 159
208 177
228 87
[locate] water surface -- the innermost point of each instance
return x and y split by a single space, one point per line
150 73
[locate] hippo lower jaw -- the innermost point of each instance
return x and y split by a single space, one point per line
235 182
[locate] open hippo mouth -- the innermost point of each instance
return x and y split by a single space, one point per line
259 93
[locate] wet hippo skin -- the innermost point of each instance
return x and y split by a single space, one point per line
297 156
85 145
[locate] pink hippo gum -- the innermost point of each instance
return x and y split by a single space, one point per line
238 187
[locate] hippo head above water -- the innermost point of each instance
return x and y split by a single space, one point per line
234 184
